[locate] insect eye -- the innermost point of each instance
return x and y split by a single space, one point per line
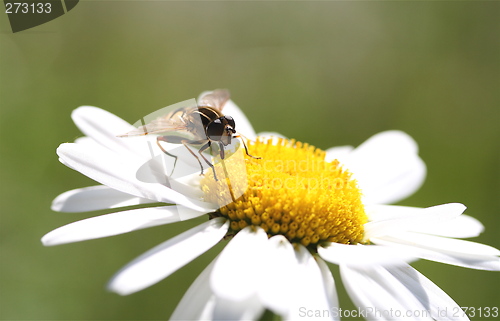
215 129
230 121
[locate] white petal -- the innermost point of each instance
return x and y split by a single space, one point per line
198 302
387 141
329 285
243 125
115 223
270 135
377 292
389 212
360 255
462 226
111 169
410 218
103 127
240 263
166 258
447 244
435 300
339 152
293 281
273 139
90 119
277 291
85 140
440 249
387 167
94 198
313 288
248 309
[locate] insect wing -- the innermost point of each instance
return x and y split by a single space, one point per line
216 99
166 120
158 126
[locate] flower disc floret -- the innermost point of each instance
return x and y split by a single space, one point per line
291 190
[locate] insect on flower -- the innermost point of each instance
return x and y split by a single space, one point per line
201 124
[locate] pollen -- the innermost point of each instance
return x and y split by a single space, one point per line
291 190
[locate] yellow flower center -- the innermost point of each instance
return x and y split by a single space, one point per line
290 191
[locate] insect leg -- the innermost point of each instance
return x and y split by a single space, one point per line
164 139
244 144
221 150
206 160
185 142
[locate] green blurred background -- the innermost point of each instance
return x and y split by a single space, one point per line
327 73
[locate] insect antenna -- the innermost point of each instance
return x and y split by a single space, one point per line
243 137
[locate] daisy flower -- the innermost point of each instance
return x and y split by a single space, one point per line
283 216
